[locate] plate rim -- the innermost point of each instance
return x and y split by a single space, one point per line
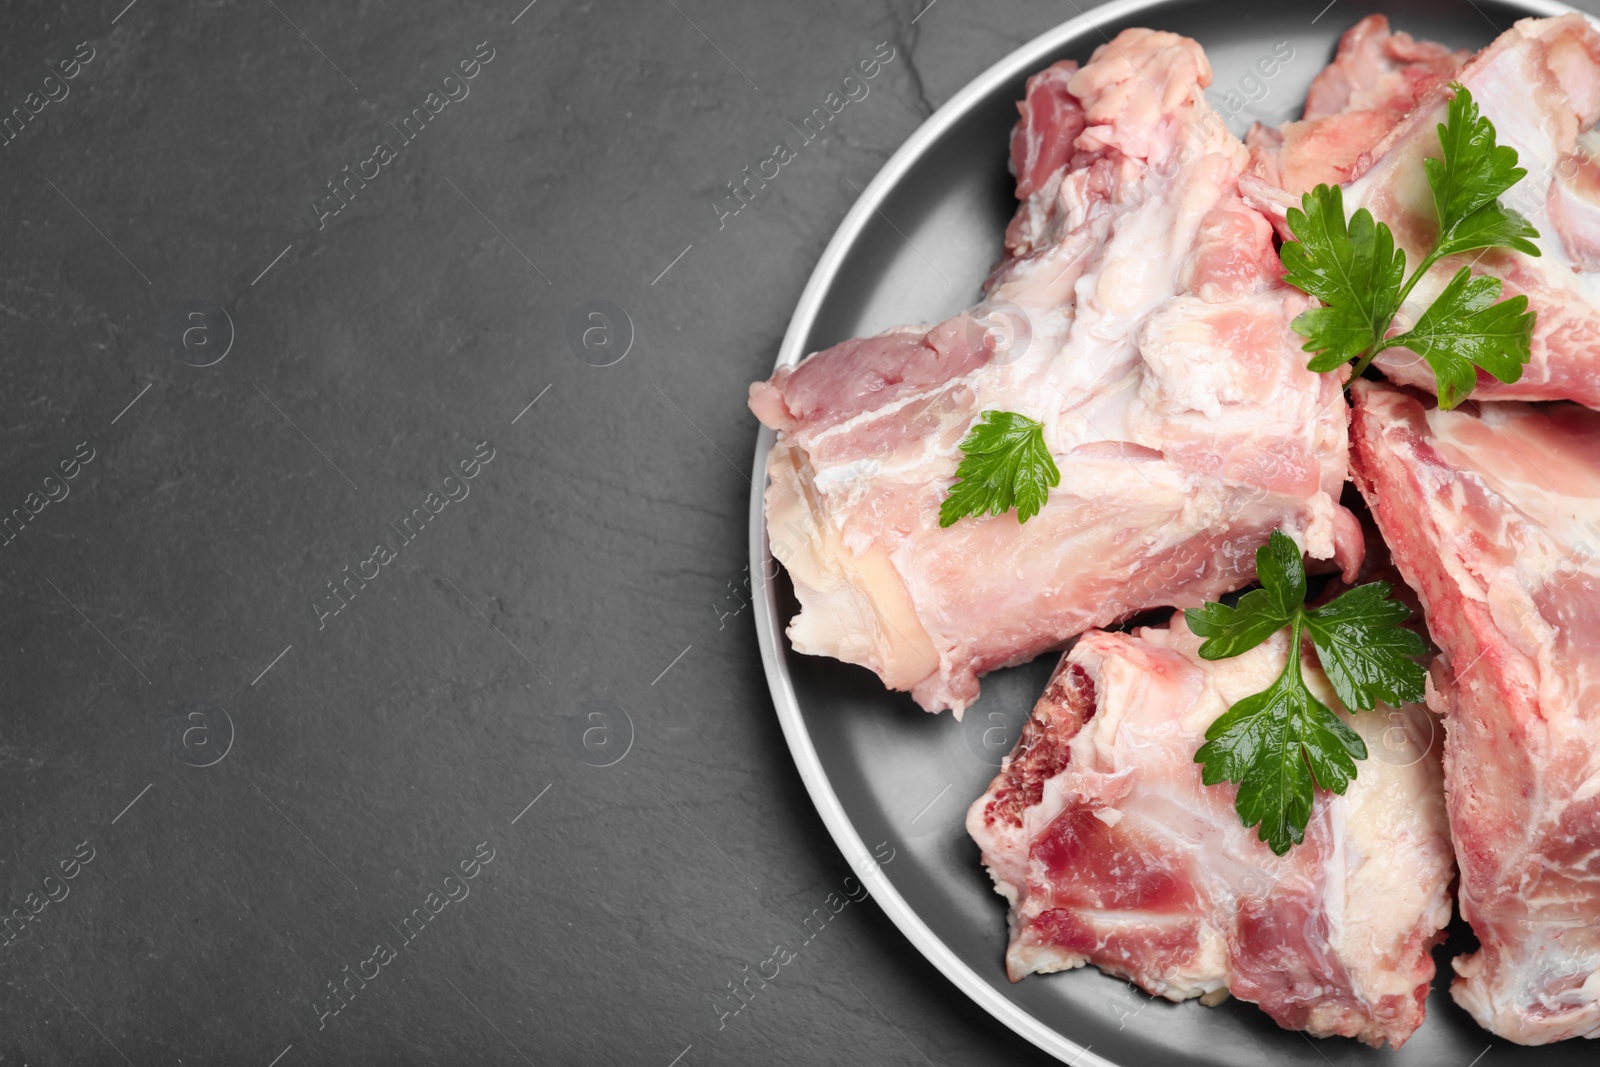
1025 59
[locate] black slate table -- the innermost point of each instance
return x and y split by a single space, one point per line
378 681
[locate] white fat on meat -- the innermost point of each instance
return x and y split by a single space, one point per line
1374 81
1111 851
1493 516
1539 84
1139 315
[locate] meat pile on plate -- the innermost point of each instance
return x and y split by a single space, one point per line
1139 314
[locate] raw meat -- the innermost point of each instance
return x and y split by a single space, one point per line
1111 851
1140 317
1374 80
1494 518
1539 83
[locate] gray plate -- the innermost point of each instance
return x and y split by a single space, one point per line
915 249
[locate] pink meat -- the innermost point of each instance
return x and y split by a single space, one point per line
1494 518
1111 851
1539 83
1139 316
1373 82
1042 141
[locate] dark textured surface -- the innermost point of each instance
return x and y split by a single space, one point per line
605 537
243 858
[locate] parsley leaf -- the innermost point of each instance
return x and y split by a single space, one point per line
1466 183
1491 226
1278 745
1007 465
1360 278
1365 649
1354 270
1464 329
1261 612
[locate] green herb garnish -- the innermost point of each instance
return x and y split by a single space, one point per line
1278 745
1359 275
1007 465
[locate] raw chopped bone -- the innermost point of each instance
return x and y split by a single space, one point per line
1492 514
1100 833
1539 84
1140 317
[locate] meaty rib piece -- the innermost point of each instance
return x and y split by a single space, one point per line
1495 520
1111 851
1373 82
1140 317
1539 83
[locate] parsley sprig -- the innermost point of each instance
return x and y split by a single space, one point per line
1007 465
1359 275
1278 745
